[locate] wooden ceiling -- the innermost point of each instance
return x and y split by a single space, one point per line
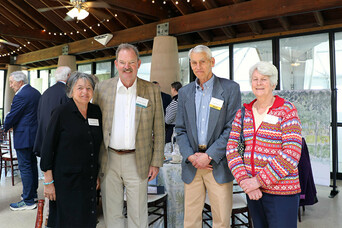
135 21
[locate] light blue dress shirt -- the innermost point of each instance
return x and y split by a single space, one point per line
202 101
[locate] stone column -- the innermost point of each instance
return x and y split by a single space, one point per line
9 93
67 60
165 63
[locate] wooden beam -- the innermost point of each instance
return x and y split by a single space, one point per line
284 23
319 18
219 17
139 8
255 27
31 34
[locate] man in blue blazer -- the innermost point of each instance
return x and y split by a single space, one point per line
206 109
50 99
23 119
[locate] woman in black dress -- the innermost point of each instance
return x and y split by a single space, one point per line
69 156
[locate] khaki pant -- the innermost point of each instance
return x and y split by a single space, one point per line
122 171
220 197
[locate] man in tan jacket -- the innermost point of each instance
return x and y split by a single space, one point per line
133 140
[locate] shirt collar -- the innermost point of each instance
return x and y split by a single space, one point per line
20 89
62 82
207 85
121 85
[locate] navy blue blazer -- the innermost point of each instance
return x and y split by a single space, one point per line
219 127
51 98
23 117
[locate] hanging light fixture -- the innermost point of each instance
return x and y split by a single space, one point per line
78 13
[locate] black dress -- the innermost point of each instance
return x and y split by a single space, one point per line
71 150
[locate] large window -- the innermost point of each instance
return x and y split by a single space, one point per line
184 73
245 56
44 75
84 68
52 77
145 68
221 55
2 82
304 62
34 80
338 54
103 70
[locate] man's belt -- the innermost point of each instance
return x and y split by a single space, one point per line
122 151
202 148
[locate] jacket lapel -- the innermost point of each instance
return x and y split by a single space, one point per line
111 91
190 108
214 113
140 93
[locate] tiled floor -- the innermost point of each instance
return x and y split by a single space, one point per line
327 213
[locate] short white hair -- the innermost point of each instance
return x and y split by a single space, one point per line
62 73
19 76
266 69
199 49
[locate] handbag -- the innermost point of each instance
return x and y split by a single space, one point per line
241 144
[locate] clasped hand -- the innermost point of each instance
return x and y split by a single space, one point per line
200 161
251 187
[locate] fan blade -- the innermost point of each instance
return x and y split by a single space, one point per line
9 43
53 8
67 18
96 4
99 14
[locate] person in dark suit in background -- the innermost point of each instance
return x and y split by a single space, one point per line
166 98
23 119
51 98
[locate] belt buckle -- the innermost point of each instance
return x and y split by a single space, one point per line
202 148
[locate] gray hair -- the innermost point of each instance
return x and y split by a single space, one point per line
267 69
62 73
74 78
126 46
19 76
199 49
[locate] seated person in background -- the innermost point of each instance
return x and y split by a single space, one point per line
69 156
171 110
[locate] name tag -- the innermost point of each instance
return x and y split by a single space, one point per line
93 122
141 102
216 103
271 119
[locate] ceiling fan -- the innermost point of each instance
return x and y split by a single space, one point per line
79 9
9 43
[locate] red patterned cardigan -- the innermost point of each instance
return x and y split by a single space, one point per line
272 151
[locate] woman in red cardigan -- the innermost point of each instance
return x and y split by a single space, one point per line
268 172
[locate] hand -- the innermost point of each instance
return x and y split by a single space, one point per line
98 185
50 192
202 161
250 184
255 194
153 172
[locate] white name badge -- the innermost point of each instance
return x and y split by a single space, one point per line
93 122
216 103
271 119
141 102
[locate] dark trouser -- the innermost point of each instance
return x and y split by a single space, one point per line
274 211
168 132
29 173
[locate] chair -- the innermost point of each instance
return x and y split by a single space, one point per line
157 208
8 156
240 213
